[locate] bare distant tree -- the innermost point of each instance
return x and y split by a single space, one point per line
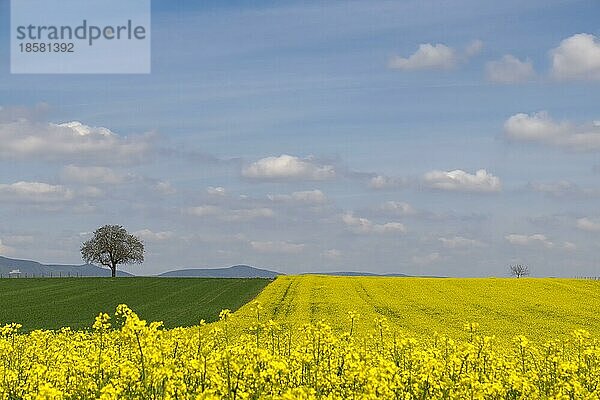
112 246
519 270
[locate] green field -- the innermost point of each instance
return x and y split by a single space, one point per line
75 302
541 309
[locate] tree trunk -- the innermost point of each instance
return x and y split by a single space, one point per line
113 270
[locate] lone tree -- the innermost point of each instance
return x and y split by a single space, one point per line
519 270
112 246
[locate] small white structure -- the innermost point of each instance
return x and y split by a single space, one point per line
15 273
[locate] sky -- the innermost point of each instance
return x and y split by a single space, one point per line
416 137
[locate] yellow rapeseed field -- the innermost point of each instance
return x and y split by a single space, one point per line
541 309
330 338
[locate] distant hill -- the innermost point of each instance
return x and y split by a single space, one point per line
236 271
32 268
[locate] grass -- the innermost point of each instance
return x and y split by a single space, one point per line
541 309
75 302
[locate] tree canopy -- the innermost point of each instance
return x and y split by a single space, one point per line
111 246
519 270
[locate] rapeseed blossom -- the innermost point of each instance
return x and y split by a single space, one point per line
124 357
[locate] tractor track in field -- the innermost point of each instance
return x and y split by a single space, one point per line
283 302
366 297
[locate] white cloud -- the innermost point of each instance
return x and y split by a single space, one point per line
149 236
428 56
509 69
538 240
434 56
541 128
91 191
204 211
332 254
23 139
426 259
366 226
286 167
557 189
248 214
459 180
277 247
216 191
535 127
379 182
5 250
458 242
18 239
588 224
34 192
314 197
85 130
385 182
165 188
231 215
91 175
398 207
577 58
474 48
563 189
529 240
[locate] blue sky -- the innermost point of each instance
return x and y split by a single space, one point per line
311 136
